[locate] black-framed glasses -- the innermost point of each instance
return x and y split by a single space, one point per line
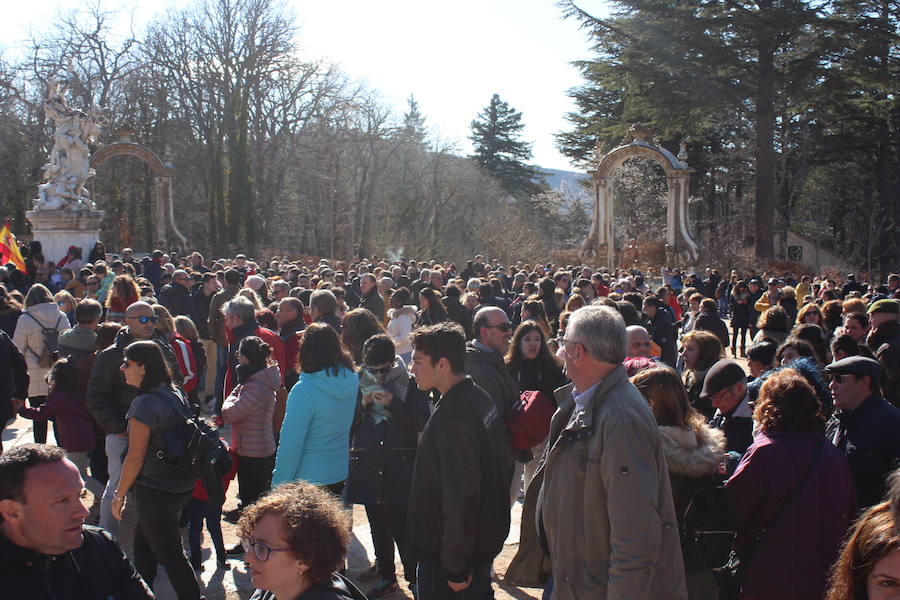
504 327
145 319
260 550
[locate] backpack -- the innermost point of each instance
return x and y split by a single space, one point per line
50 351
707 529
528 422
192 447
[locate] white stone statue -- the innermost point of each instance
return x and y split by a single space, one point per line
70 160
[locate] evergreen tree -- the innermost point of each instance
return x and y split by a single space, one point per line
499 149
413 129
688 67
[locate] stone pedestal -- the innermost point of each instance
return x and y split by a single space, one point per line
56 230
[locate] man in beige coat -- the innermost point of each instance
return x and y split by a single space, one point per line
605 508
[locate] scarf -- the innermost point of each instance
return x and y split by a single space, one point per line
245 372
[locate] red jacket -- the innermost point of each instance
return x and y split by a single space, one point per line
187 361
200 491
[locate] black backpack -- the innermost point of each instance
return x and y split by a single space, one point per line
707 528
192 446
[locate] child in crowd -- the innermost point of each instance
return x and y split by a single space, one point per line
201 507
74 425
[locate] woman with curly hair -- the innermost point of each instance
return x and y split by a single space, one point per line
695 453
869 565
787 537
295 539
123 293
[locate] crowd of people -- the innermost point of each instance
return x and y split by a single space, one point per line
650 464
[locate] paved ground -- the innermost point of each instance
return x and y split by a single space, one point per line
235 584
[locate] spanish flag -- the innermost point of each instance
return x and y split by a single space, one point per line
9 249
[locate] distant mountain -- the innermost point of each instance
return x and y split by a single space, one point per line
555 178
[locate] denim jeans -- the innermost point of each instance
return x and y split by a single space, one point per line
432 580
116 447
157 540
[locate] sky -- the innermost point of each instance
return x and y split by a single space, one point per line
451 56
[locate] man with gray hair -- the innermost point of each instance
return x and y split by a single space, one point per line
240 321
371 297
604 502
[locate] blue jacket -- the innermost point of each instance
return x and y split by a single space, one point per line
315 436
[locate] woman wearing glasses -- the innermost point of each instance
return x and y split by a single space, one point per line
295 540
161 490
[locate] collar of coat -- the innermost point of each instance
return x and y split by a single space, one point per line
585 418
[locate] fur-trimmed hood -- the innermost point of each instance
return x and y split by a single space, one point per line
693 453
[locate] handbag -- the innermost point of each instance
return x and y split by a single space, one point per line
729 577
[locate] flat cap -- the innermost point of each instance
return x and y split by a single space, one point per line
885 306
857 365
722 374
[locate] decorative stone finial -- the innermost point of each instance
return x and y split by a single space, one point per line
641 134
124 133
682 152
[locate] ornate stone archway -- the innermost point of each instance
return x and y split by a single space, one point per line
163 177
680 245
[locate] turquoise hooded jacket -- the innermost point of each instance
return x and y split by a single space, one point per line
315 436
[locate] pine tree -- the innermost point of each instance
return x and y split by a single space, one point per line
413 129
690 66
499 149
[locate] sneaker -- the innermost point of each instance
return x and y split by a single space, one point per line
370 574
236 550
383 589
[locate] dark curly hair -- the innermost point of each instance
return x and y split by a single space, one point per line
787 402
315 525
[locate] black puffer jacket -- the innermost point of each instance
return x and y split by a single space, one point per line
97 569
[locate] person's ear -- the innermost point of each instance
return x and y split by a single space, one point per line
10 510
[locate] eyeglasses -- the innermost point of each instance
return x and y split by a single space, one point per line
504 327
260 550
145 319
840 377
563 341
382 370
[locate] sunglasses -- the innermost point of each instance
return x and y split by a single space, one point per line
381 371
504 327
144 319
840 377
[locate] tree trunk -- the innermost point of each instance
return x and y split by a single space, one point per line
764 212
